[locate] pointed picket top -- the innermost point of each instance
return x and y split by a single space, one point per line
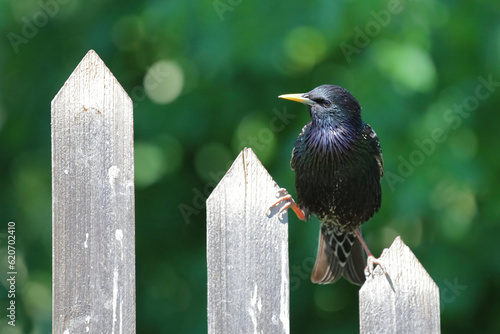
92 81
247 253
93 216
405 300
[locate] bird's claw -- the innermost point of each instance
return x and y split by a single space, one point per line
371 261
281 192
289 204
283 196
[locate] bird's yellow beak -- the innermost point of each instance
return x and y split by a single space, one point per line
297 98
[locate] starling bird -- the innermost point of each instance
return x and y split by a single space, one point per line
338 165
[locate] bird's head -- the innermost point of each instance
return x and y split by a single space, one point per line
329 103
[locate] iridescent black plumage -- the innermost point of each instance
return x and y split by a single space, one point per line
338 165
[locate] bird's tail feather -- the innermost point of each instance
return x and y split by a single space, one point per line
338 254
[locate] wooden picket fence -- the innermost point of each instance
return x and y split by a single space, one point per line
247 247
247 256
93 217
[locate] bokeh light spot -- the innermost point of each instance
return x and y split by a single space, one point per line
212 161
173 153
388 234
255 131
305 47
39 297
149 164
164 81
464 143
457 205
408 65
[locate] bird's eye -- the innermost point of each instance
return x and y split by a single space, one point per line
326 103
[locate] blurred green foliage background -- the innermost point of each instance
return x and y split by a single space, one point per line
204 77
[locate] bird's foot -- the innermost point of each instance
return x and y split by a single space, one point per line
285 197
371 261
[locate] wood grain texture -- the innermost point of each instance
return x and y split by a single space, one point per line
93 203
404 301
247 253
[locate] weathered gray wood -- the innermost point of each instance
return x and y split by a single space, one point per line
404 301
93 234
247 253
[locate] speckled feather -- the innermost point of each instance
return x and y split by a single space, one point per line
338 164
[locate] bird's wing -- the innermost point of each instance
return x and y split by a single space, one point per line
375 145
299 146
292 161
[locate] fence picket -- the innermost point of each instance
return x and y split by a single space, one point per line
247 253
406 300
93 233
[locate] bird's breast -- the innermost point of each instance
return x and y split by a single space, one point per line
335 179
